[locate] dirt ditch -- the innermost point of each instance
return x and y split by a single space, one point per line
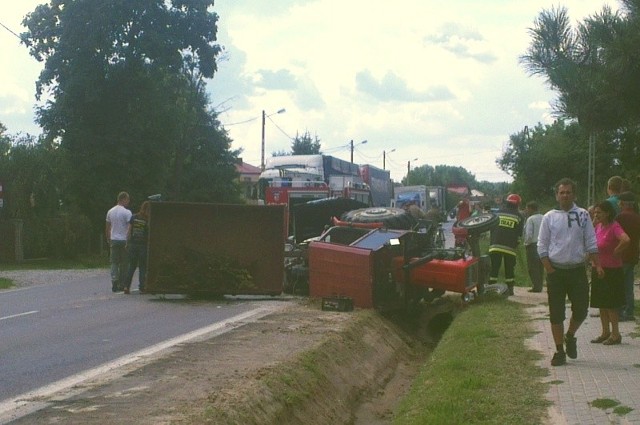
299 365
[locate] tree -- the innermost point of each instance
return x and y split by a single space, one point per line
305 145
128 107
595 70
440 175
537 158
30 173
301 145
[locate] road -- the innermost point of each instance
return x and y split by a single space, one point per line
53 335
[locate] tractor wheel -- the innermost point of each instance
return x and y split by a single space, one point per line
478 224
392 218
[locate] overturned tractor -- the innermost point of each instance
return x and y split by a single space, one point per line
385 258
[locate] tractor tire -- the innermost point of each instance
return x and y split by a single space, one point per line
391 218
478 224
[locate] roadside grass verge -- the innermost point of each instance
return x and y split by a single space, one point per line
5 283
480 373
81 262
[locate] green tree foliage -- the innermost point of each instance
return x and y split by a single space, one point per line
537 158
302 145
595 68
128 107
305 145
29 171
440 175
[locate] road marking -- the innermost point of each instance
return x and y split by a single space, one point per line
19 314
32 401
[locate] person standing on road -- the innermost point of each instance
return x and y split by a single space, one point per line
117 232
629 219
464 209
138 246
607 291
566 238
530 237
504 241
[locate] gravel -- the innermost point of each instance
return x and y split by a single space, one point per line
22 278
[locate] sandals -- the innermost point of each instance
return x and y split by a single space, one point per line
600 339
613 341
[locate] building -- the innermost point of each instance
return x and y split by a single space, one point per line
248 179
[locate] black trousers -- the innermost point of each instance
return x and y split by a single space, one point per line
534 267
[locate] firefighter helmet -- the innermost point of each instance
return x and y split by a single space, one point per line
514 199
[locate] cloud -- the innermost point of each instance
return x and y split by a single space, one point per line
302 90
464 43
392 88
308 96
276 80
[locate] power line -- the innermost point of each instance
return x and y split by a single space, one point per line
278 127
240 122
10 30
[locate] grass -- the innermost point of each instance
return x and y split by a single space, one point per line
5 283
480 373
82 262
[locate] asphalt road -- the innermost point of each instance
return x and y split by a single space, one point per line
51 332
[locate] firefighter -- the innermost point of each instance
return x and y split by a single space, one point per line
504 241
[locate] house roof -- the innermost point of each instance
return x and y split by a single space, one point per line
244 168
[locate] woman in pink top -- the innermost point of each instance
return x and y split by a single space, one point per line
607 293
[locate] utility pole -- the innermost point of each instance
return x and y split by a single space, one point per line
352 151
591 187
262 145
352 145
384 158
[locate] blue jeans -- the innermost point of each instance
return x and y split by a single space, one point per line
627 309
119 266
137 259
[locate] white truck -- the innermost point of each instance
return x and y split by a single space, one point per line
423 196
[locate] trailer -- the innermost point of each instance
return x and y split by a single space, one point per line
380 184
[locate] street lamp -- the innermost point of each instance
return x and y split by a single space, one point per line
384 158
264 117
361 143
409 165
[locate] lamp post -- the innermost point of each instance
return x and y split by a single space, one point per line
409 165
384 158
361 143
264 117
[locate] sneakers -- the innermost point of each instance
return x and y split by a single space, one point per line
559 359
571 346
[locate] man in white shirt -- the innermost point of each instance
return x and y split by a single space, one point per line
530 238
117 232
566 238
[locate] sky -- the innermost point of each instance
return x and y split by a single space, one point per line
423 82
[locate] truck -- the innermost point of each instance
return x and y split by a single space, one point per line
295 179
423 196
438 195
380 184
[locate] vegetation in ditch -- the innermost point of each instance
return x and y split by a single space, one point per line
480 373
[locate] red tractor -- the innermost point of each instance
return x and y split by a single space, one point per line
380 267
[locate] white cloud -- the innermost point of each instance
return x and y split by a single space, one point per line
435 80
